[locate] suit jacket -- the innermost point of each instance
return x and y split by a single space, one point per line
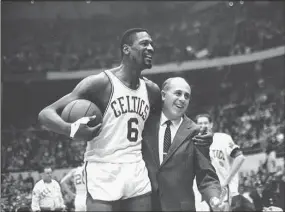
172 181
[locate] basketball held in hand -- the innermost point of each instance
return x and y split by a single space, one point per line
81 108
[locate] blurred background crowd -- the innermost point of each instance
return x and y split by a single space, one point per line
245 100
179 33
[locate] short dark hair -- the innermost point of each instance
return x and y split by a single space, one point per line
127 37
41 168
207 115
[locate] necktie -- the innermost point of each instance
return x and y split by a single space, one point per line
167 139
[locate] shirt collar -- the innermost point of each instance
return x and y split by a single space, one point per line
163 119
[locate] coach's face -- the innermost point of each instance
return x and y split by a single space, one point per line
175 97
47 174
141 51
204 122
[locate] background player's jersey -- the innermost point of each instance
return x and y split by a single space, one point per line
78 180
123 122
220 152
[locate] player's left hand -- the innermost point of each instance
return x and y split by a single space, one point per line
217 205
204 138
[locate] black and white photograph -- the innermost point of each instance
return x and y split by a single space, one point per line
142 105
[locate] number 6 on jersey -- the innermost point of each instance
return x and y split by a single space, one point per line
132 130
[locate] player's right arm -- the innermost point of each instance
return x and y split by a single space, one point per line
238 159
35 199
51 119
64 185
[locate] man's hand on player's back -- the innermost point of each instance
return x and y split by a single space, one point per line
204 138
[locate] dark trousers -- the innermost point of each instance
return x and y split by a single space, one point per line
240 203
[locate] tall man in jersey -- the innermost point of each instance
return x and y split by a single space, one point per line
114 168
77 177
173 159
226 157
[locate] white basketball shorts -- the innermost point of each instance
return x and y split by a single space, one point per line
110 181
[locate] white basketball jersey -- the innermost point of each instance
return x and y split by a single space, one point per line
123 122
78 180
220 152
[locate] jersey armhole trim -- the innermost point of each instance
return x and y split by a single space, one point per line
147 92
112 92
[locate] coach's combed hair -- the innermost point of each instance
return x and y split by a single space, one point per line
166 83
127 37
207 115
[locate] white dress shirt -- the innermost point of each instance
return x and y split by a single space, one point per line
162 127
47 195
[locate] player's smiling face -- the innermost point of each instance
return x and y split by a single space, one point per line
204 122
142 49
176 98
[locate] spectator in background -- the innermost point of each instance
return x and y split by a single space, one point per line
29 181
257 196
270 162
47 194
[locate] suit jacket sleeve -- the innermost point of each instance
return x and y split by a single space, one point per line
207 180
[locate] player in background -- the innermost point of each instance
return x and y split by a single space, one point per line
227 159
114 169
47 194
76 175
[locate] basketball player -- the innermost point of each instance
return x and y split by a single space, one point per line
76 175
115 173
47 194
226 157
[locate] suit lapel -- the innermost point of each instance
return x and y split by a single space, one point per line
182 133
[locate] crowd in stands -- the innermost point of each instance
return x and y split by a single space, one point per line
15 193
270 186
22 150
255 114
60 45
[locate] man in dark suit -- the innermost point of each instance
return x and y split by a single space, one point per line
172 158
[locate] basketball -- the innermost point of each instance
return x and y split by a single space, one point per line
81 108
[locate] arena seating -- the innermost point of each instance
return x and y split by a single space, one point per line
63 45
